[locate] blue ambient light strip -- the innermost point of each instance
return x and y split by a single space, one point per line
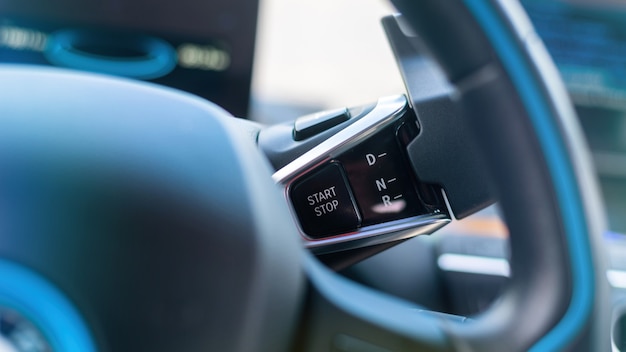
158 60
554 149
45 307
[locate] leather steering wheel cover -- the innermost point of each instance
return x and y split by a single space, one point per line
527 128
146 209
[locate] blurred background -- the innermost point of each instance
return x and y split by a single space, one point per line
321 54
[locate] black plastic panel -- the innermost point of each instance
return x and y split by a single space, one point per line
444 152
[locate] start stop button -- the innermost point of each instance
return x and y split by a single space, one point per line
324 203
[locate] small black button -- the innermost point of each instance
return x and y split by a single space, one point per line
310 125
324 203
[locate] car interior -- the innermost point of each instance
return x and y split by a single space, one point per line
152 200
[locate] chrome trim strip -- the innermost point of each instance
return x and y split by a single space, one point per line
377 234
386 111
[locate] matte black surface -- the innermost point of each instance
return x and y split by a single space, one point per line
444 152
456 39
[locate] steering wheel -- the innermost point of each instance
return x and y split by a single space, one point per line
135 217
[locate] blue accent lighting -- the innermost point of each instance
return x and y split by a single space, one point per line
156 57
45 307
563 179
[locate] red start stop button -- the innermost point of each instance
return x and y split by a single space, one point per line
324 203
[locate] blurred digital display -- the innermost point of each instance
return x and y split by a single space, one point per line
587 41
203 47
